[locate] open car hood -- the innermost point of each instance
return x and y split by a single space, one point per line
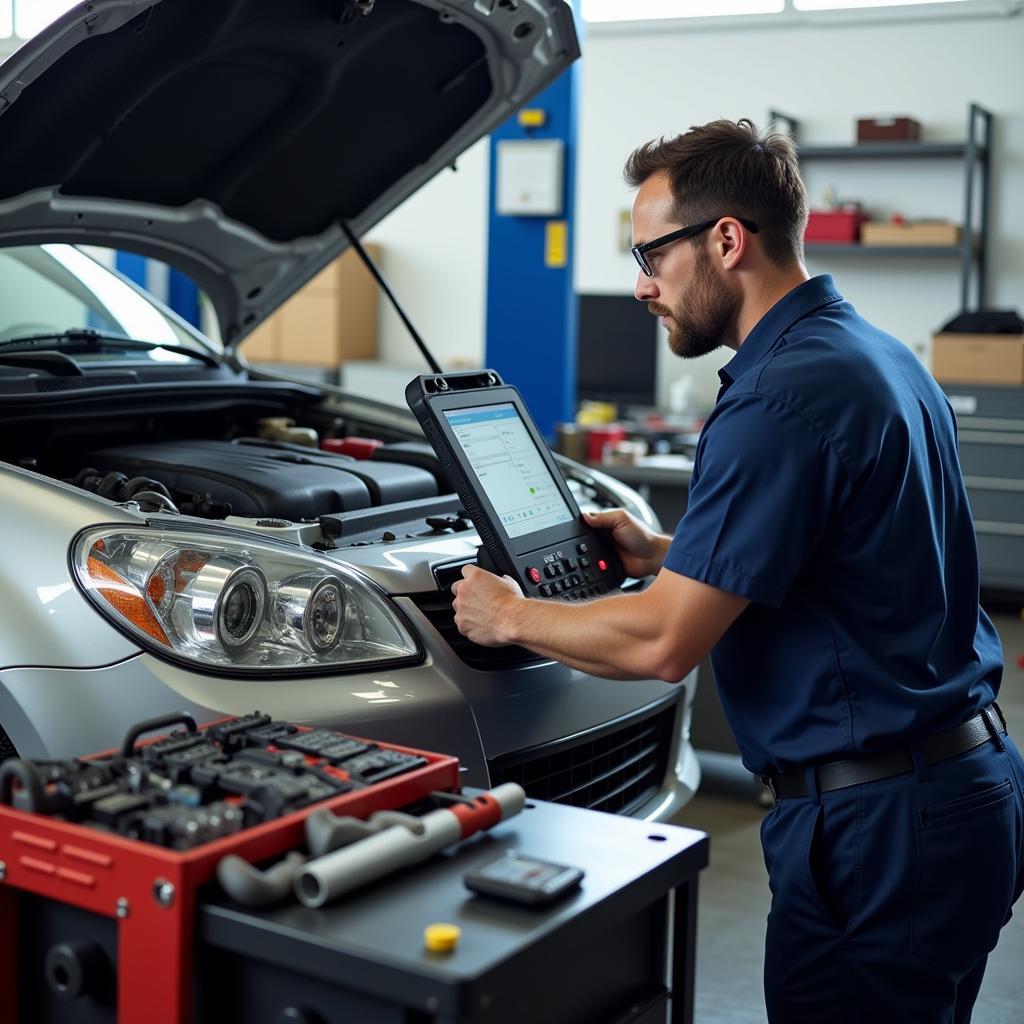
230 138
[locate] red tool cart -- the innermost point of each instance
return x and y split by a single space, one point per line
149 891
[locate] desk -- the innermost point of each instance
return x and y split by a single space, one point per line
618 951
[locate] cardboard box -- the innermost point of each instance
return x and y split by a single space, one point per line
331 320
910 233
888 129
979 359
261 345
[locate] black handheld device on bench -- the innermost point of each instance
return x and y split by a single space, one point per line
511 487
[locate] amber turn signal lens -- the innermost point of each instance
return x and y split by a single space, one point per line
124 599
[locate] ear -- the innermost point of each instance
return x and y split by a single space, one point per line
730 242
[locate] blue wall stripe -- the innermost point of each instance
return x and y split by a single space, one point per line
183 297
182 294
532 311
132 265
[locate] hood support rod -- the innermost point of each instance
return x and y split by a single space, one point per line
386 288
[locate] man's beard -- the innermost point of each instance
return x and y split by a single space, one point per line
704 315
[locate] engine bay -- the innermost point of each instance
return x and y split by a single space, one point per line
255 478
263 455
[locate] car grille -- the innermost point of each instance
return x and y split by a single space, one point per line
613 770
437 607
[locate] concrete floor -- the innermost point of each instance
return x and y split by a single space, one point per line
734 895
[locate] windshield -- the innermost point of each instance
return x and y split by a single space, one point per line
50 289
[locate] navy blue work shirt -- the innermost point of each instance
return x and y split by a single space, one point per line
827 489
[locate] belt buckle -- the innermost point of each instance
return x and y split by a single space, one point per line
770 783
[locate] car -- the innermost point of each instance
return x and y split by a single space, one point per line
175 535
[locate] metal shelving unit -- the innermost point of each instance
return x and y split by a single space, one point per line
974 153
819 248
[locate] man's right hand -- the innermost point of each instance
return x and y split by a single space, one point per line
641 550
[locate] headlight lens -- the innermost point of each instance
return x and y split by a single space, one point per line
234 604
312 607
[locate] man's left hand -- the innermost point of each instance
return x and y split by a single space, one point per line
482 606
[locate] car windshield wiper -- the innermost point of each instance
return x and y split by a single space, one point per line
86 339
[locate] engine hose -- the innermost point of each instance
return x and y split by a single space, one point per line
86 478
153 501
143 483
110 486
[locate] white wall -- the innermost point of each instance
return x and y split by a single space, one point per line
641 84
434 256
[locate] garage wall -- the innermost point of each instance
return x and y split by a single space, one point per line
434 257
640 84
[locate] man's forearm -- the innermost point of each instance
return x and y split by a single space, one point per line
614 637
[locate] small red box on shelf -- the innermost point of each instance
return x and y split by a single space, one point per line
888 129
837 226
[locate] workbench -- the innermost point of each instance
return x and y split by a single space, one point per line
620 950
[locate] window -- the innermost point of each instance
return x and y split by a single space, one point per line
636 10
648 10
48 289
24 18
836 5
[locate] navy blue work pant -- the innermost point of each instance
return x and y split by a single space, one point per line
888 897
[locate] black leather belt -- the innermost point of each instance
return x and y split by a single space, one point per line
988 724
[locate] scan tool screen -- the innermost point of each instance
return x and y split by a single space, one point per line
509 467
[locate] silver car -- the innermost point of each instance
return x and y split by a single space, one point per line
160 549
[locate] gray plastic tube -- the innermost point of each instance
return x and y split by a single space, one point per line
337 873
255 888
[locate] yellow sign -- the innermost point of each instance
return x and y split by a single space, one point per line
556 243
532 117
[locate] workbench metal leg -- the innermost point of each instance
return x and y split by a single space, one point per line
684 952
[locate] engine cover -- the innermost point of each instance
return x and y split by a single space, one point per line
265 480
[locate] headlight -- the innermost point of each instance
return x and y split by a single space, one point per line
313 608
235 604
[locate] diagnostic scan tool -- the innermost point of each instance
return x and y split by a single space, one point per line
511 487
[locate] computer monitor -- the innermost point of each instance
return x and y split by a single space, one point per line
617 354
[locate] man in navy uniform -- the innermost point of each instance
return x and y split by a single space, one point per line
827 561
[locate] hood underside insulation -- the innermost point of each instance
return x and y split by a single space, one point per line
286 115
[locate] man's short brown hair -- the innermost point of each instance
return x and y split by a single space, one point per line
728 168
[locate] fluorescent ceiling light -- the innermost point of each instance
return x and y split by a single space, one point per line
32 16
645 10
841 5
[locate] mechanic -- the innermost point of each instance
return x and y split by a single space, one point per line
827 561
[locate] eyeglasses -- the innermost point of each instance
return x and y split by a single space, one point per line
640 251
